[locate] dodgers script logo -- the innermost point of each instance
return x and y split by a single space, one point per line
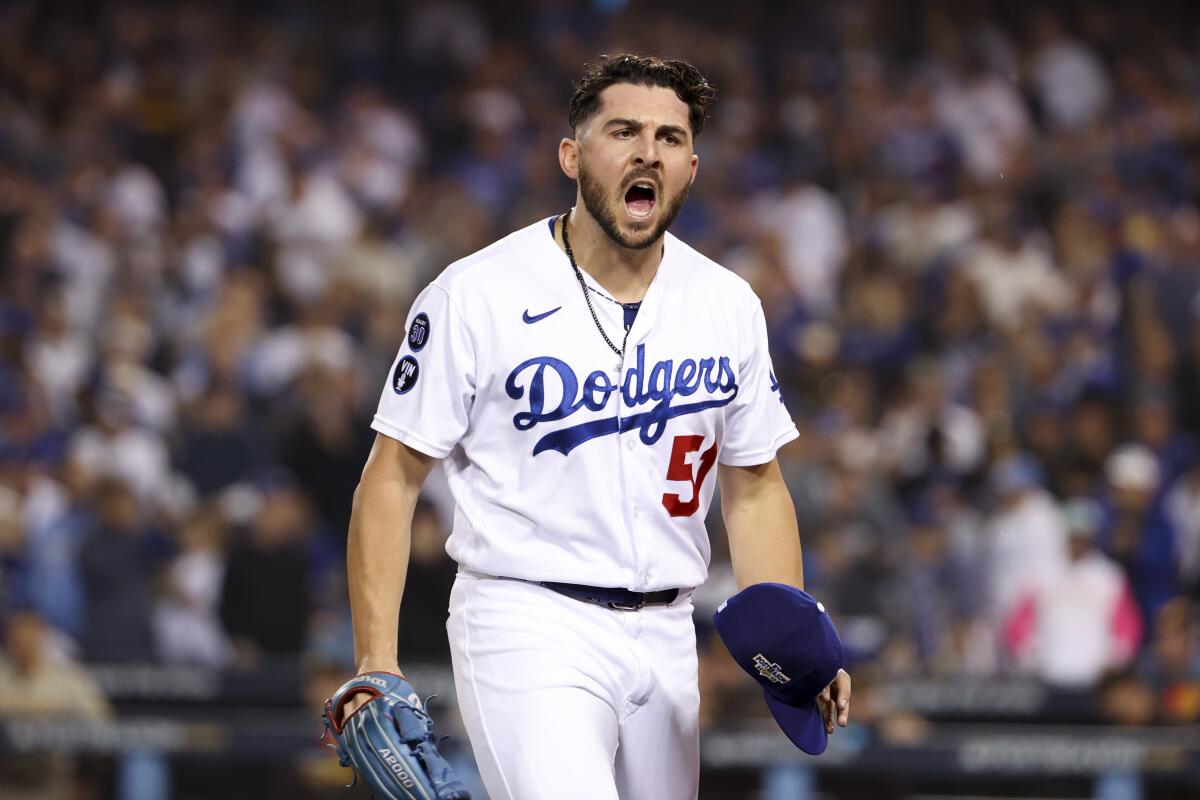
660 385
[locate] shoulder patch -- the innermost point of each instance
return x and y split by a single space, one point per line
404 377
418 332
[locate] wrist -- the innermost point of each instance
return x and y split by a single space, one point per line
379 664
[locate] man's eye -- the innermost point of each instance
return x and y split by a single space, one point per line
624 133
671 139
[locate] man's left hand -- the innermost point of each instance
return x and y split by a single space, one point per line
834 701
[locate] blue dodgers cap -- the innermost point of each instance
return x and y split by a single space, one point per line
783 638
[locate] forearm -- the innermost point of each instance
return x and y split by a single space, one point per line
760 519
376 562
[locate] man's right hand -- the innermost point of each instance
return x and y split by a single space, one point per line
354 704
391 745
357 701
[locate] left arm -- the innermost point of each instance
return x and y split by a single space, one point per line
764 544
764 540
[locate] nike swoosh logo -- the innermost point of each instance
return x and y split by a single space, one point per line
529 320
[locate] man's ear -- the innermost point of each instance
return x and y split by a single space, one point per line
568 158
695 166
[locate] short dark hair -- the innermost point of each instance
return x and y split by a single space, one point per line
689 84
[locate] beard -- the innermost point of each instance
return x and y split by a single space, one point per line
596 201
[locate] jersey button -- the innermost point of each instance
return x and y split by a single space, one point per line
629 445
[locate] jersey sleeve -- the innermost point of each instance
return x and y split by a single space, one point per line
757 423
427 401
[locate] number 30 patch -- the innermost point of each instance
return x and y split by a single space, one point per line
418 332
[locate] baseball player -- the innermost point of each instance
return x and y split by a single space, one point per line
586 382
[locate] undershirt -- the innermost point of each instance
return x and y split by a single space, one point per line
631 310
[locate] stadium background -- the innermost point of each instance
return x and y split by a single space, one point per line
975 227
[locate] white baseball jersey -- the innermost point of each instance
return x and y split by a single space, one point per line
567 463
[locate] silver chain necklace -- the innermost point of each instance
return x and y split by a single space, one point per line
587 295
596 291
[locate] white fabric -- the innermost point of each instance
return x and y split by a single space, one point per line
61 365
562 698
915 235
1183 507
538 497
279 356
1074 640
136 456
86 263
1028 549
987 117
1012 282
1071 81
137 198
811 225
905 434
187 624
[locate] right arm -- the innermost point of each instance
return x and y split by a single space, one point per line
377 550
433 411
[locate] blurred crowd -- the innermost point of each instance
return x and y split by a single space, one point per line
975 228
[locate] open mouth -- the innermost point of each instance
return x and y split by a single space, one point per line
640 198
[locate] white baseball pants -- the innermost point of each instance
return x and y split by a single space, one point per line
566 700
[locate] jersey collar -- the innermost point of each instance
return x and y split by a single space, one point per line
648 312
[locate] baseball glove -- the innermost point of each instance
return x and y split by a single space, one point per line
389 740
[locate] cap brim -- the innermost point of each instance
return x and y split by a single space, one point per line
802 724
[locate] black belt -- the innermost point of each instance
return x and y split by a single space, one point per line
616 599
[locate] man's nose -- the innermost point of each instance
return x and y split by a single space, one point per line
646 154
